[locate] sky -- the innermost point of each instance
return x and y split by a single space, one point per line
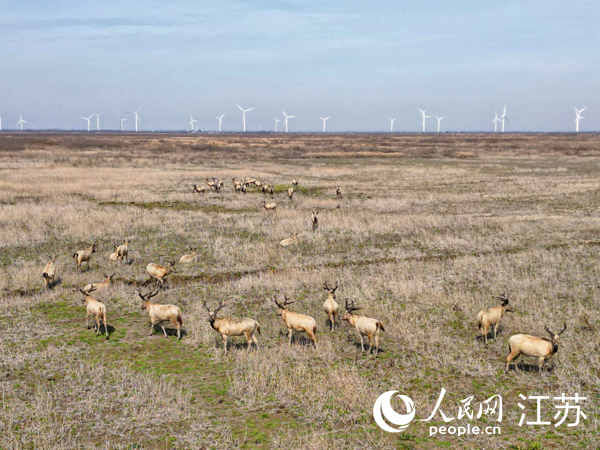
359 62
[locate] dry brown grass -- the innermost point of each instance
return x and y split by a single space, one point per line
429 229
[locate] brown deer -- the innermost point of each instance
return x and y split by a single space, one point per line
161 313
123 251
330 306
192 257
233 326
290 241
100 286
269 206
338 192
85 255
294 321
315 220
540 348
95 309
364 325
49 272
199 190
492 316
160 272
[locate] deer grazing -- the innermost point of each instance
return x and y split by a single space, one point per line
115 255
100 286
315 220
123 251
49 272
84 255
364 325
492 316
233 326
269 206
290 193
540 348
199 190
95 309
192 257
294 321
330 306
159 272
338 192
161 313
290 241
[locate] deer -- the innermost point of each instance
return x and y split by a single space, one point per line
364 325
192 257
100 286
249 180
115 255
271 191
84 255
315 220
540 348
95 309
290 193
210 183
269 206
199 190
295 182
264 188
290 241
238 187
331 306
161 313
159 272
218 185
338 192
233 326
123 251
294 321
49 272
258 183
492 316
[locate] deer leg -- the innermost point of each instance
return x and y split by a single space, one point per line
496 331
370 343
248 339
87 321
314 338
105 327
290 332
362 342
97 324
225 343
513 355
255 341
151 327
376 343
540 364
164 331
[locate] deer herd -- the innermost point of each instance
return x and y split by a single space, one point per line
159 314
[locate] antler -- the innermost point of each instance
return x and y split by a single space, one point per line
563 330
335 288
548 330
350 307
325 286
91 289
503 298
205 307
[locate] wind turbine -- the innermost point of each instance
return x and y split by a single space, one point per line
424 117
97 121
21 122
324 120
276 122
192 121
439 119
392 125
86 118
503 117
578 118
244 111
135 113
121 122
220 121
495 122
286 120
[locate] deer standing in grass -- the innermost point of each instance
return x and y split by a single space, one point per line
290 241
199 190
540 348
330 306
49 272
364 325
100 286
290 193
159 272
192 257
492 316
233 326
269 206
161 313
294 321
95 309
123 251
295 182
115 255
85 255
315 220
338 192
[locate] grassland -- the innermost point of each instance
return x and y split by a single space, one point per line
429 229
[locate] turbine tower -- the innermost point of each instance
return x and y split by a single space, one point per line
503 117
135 113
392 125
276 122
192 121
97 121
244 111
220 121
439 119
21 122
286 120
324 120
88 120
578 118
121 122
424 117
495 122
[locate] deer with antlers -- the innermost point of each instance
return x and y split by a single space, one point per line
540 348
95 309
233 326
294 321
161 313
330 306
364 325
492 316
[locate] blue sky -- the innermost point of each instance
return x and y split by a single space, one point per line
359 62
